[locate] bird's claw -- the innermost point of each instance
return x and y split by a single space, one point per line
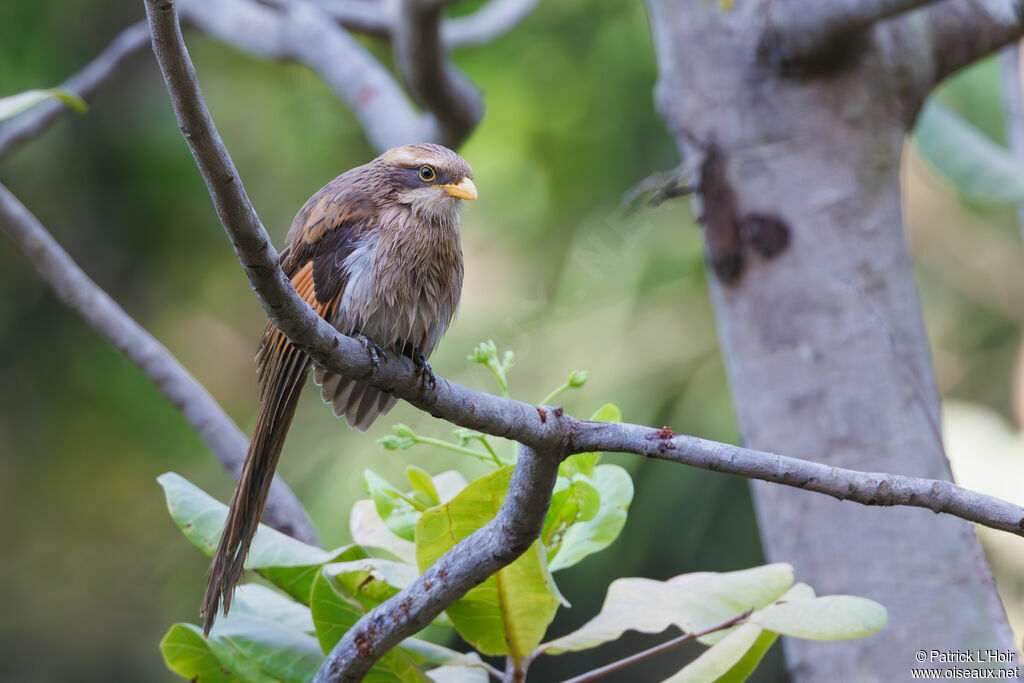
424 372
373 350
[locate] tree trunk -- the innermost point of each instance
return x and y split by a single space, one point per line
820 323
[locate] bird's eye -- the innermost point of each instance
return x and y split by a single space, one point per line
427 174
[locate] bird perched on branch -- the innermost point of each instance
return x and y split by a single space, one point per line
377 253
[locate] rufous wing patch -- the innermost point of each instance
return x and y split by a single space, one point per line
275 350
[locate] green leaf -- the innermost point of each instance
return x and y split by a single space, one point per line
335 611
422 483
692 602
509 612
719 661
831 617
370 531
266 637
261 602
458 674
615 490
583 463
397 512
283 560
978 167
371 581
12 105
187 654
574 500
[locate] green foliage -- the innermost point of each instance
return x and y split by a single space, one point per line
400 531
12 105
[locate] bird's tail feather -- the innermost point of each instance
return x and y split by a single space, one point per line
360 403
280 397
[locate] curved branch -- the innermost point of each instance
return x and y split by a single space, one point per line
438 84
79 292
548 431
797 32
489 22
301 31
379 17
20 130
467 564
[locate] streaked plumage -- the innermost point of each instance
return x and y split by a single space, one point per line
377 252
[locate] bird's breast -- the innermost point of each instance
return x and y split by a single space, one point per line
402 287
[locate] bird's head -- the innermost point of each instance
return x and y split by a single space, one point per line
433 181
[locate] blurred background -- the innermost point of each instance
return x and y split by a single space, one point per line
94 571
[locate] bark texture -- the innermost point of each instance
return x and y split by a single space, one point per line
821 331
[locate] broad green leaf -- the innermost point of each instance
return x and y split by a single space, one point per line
448 484
509 612
742 669
715 663
574 500
369 530
692 602
266 637
268 648
371 581
335 611
392 505
458 674
187 654
830 617
283 560
12 105
973 163
422 483
615 490
261 602
584 463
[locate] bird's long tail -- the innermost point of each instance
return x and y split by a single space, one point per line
281 373
250 495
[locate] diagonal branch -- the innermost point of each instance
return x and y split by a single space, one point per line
800 33
488 549
437 83
548 434
78 291
20 130
960 32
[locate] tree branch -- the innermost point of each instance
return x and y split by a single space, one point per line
379 18
548 431
100 70
302 31
495 545
801 32
489 22
960 32
78 291
437 83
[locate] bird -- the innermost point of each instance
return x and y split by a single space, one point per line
377 253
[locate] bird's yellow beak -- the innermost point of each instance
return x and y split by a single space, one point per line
464 189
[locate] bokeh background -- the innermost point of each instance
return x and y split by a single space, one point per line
93 571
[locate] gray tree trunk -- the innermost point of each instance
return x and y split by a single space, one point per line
820 323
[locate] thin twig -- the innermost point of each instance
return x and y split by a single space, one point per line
657 649
79 292
20 130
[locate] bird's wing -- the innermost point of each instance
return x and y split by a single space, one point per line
323 234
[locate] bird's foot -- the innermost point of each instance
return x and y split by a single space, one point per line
424 372
373 350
